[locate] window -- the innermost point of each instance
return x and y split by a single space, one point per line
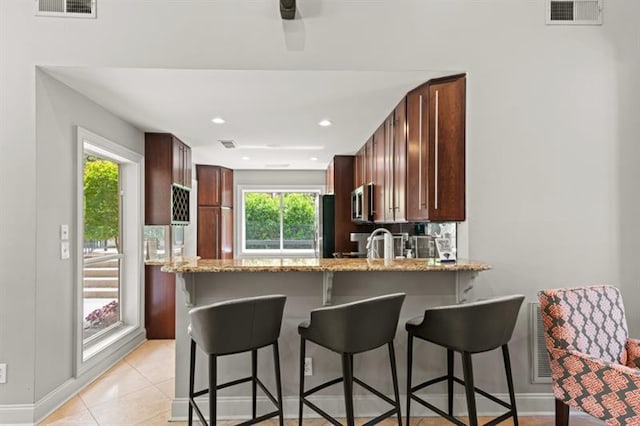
102 250
279 222
109 245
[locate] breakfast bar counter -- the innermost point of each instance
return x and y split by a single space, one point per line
308 284
321 265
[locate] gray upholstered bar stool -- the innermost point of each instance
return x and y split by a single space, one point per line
232 327
350 329
467 328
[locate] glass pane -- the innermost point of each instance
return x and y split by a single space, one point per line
101 291
299 221
101 272
262 220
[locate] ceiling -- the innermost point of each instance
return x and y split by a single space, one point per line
272 116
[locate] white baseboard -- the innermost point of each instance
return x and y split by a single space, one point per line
29 414
366 406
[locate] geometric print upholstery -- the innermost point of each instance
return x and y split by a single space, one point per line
593 368
633 353
588 319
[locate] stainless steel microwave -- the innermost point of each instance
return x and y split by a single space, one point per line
362 203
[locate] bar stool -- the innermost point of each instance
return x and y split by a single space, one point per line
467 328
233 327
350 329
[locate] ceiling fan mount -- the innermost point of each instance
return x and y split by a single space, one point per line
288 9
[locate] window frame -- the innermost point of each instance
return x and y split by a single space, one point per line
96 348
241 252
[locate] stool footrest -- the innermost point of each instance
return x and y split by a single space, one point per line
259 419
322 386
266 391
374 391
437 410
333 421
320 411
381 417
487 395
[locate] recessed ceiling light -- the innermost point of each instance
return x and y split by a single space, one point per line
313 158
325 123
245 158
218 120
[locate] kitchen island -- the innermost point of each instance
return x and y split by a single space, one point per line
309 284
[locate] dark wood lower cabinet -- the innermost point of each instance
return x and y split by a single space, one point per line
160 303
215 233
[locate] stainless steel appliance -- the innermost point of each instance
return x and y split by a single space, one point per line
361 239
399 241
362 203
423 246
327 225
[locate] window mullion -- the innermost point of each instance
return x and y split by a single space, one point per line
281 222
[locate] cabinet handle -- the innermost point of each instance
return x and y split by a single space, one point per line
436 149
420 203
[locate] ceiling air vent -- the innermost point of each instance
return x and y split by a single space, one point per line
227 144
574 12
66 8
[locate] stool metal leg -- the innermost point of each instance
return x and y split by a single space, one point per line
450 381
276 362
347 374
409 367
301 392
213 380
254 382
512 395
192 376
467 369
394 376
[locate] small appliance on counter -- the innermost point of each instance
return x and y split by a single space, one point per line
378 248
361 239
423 246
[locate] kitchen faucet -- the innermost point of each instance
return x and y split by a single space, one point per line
388 243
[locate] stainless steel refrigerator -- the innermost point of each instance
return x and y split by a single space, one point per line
327 225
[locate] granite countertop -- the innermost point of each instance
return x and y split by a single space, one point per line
322 265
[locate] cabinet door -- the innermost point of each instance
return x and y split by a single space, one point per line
357 169
368 161
329 178
379 145
208 185
226 233
209 232
447 150
399 163
389 187
227 187
187 167
417 154
159 303
178 162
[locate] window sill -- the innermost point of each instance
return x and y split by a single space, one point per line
101 345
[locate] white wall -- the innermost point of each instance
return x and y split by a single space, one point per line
551 126
59 110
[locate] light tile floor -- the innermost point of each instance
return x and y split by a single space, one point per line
138 391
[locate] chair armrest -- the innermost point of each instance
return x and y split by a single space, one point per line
633 353
595 386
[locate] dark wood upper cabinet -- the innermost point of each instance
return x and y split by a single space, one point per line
379 175
215 212
399 132
167 163
340 173
215 186
436 150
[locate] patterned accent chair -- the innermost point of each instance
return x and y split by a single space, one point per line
594 364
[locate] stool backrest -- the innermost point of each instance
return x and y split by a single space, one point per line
237 325
474 327
358 326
